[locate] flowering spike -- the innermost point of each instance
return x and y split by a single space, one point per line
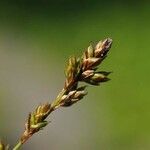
77 70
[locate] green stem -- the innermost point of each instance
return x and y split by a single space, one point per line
58 99
17 146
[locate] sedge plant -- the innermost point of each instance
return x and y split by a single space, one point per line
83 69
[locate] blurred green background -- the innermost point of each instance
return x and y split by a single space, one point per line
37 37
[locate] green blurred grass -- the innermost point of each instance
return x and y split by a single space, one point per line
54 31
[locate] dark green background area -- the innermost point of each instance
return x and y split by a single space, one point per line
37 37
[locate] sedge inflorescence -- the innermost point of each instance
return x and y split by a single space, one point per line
83 69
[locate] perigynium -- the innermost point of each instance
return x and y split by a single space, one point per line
83 69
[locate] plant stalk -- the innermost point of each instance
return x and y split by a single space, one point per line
17 146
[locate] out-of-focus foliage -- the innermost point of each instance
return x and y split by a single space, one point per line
36 38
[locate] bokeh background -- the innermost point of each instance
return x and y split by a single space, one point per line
37 37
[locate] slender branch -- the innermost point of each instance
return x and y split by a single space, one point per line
82 69
18 145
